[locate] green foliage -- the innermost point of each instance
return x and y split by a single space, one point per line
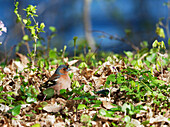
2 75
52 28
28 93
85 119
81 106
130 109
36 125
6 97
49 92
111 112
135 81
153 57
34 27
16 110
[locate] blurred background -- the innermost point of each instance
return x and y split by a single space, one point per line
114 25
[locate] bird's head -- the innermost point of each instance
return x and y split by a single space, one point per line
62 70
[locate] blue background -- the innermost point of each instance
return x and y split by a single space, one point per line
110 16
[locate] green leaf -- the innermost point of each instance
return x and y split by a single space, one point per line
1 88
77 98
2 101
52 28
82 65
128 32
81 106
102 112
31 99
75 38
139 63
111 78
169 41
161 33
49 92
42 25
62 91
41 63
155 44
86 99
76 84
25 38
127 119
65 47
125 106
163 45
151 58
24 21
85 118
44 103
129 54
16 110
10 98
36 125
53 54
145 44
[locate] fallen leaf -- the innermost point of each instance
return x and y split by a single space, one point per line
72 62
24 60
53 107
108 105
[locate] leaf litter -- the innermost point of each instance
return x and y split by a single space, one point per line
99 107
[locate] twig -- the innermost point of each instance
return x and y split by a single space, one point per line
111 37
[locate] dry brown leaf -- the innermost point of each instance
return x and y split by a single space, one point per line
109 118
7 70
59 124
98 81
24 60
53 107
61 101
4 108
74 70
108 105
65 59
136 123
158 119
19 66
72 62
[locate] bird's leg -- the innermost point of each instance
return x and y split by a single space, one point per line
44 97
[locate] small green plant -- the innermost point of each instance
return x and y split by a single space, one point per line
15 111
6 97
32 25
28 93
86 120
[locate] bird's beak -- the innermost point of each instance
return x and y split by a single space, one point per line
68 69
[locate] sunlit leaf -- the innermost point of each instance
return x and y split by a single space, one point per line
151 58
36 125
102 112
16 110
31 99
49 92
81 106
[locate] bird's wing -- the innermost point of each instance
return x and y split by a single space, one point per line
51 82
54 77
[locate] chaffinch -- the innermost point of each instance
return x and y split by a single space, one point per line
59 80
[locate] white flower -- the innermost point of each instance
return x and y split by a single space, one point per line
2 28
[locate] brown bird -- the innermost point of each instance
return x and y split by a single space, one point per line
59 80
